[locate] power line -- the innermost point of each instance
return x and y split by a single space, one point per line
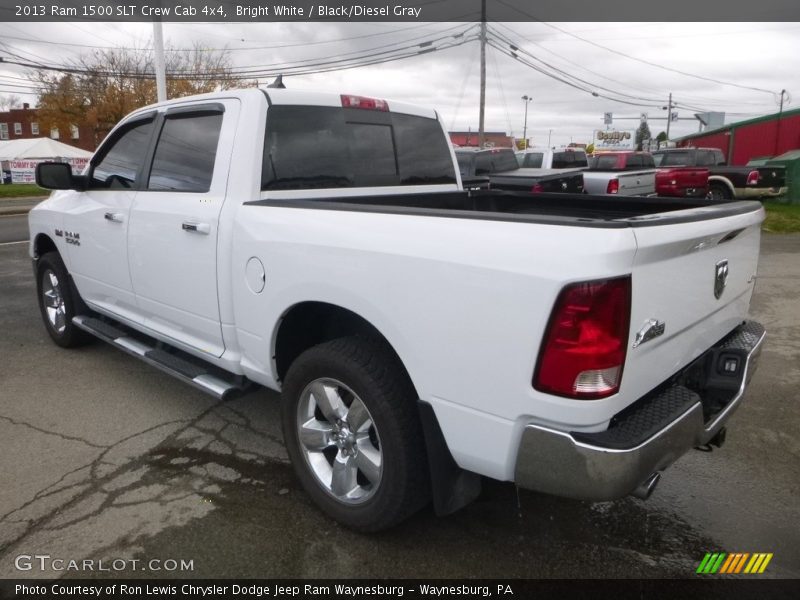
271 69
516 49
641 60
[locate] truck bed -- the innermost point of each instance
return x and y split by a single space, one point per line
558 209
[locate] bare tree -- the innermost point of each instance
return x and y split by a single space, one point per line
10 101
101 87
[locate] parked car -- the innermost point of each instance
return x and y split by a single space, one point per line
501 167
420 336
725 182
625 173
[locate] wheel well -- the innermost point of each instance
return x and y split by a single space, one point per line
42 245
722 182
310 323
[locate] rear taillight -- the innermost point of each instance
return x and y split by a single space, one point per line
752 178
613 186
349 101
583 350
537 188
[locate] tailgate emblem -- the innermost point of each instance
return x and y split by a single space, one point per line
720 277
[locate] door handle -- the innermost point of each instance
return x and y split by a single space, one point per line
114 217
192 227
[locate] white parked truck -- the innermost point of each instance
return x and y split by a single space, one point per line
421 336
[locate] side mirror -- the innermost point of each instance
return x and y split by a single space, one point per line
57 176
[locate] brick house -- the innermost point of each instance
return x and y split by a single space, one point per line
23 123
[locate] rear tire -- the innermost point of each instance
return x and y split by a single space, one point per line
718 193
59 302
353 433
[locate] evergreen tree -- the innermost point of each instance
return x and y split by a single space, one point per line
643 133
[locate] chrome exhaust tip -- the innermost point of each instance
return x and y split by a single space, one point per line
644 491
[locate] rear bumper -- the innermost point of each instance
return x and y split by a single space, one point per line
675 191
649 435
755 193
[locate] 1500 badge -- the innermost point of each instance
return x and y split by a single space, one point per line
69 236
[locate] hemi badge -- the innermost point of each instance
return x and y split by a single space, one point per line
652 329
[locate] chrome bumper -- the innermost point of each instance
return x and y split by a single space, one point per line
756 193
642 440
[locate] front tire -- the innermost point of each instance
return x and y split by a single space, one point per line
58 302
353 434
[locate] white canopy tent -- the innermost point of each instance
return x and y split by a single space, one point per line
42 148
20 157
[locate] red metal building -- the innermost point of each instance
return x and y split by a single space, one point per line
769 135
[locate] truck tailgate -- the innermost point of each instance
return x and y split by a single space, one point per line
694 279
682 181
637 183
773 177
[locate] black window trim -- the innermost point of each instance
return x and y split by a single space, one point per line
150 155
212 107
151 116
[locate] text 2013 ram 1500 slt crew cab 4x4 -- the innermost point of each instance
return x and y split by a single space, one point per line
421 336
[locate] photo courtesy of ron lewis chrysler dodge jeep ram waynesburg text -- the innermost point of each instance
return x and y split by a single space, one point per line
421 336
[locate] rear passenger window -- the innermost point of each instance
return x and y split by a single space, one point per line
648 162
184 157
705 159
121 160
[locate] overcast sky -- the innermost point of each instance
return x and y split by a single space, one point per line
754 55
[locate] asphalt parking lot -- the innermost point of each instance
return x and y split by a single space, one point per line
103 457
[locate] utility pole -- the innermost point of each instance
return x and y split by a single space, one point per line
481 132
161 69
549 135
669 114
526 99
778 123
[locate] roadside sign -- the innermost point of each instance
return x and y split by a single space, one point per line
614 140
673 116
608 118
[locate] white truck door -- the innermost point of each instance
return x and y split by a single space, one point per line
97 225
174 224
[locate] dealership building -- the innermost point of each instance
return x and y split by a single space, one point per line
769 135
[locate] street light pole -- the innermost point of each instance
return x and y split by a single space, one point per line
549 135
158 51
526 99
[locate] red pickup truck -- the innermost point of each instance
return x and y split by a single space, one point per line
675 181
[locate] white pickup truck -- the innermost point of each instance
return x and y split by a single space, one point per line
421 336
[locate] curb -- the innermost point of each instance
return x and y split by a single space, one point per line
18 206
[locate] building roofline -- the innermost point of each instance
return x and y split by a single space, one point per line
737 124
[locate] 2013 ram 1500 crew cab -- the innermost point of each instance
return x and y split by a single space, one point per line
421 336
